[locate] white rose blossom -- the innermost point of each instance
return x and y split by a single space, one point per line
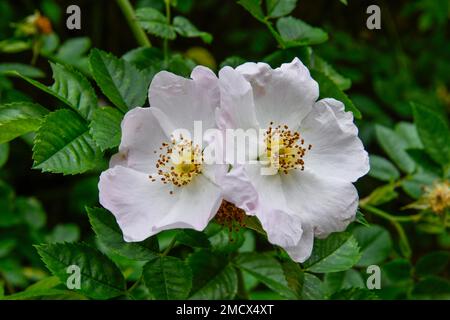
313 145
147 187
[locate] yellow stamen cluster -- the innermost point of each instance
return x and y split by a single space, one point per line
178 163
438 197
285 148
231 217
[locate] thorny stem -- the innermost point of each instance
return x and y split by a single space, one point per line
129 14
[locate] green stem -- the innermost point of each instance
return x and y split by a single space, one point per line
169 247
275 34
390 217
166 41
404 242
129 14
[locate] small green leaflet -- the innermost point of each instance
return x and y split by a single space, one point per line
119 80
395 147
254 7
23 69
105 127
71 88
279 8
100 277
213 276
375 243
296 32
329 89
155 23
267 270
18 118
110 235
382 169
63 144
186 29
338 252
167 278
434 133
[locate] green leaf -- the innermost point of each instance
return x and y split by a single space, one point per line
32 212
337 281
336 253
167 278
398 272
381 195
224 241
105 127
6 246
233 61
47 288
193 238
23 69
296 32
186 29
254 7
313 288
408 132
434 133
355 294
63 144
432 263
361 219
375 243
382 169
213 276
294 277
18 118
70 87
266 269
73 48
155 23
280 8
110 235
119 80
432 287
424 161
145 58
100 277
319 64
69 232
8 216
395 147
14 46
328 89
414 185
4 153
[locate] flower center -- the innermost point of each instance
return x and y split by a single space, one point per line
231 217
285 148
439 197
179 162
